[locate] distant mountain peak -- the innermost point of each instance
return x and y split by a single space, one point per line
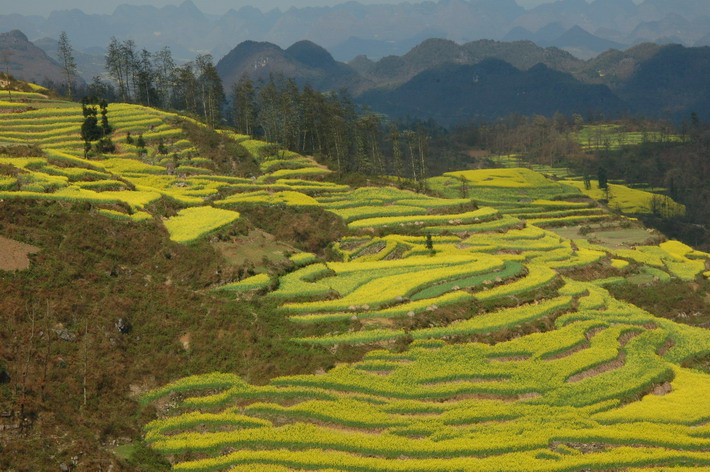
15 35
576 29
304 61
189 5
309 53
518 33
578 37
250 47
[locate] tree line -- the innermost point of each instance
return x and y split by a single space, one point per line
154 79
327 125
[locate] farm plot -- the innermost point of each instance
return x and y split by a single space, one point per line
191 224
523 194
572 398
629 200
504 187
383 207
612 136
392 288
401 289
584 394
129 177
63 175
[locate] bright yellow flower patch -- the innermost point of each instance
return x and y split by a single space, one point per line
191 224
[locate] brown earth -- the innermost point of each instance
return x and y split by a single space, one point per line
600 369
14 254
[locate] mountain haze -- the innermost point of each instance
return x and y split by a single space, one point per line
350 29
434 52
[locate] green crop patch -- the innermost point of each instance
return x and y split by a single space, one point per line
191 224
629 200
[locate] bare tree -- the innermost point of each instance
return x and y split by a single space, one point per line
210 89
164 67
66 57
122 64
6 55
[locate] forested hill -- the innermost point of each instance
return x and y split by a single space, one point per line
492 89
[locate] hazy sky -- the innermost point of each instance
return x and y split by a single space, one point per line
43 7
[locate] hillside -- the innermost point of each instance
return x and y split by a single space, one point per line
653 80
491 89
672 75
486 324
23 59
89 65
673 81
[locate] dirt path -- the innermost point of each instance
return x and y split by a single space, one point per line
13 254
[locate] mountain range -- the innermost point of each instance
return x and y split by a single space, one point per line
453 82
485 79
351 29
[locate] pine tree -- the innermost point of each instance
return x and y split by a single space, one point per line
121 66
602 178
106 128
140 144
423 151
267 99
146 93
430 243
410 138
90 129
185 91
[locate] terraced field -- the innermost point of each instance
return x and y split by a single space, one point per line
612 136
125 184
487 350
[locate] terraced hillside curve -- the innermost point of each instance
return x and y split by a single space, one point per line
493 344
